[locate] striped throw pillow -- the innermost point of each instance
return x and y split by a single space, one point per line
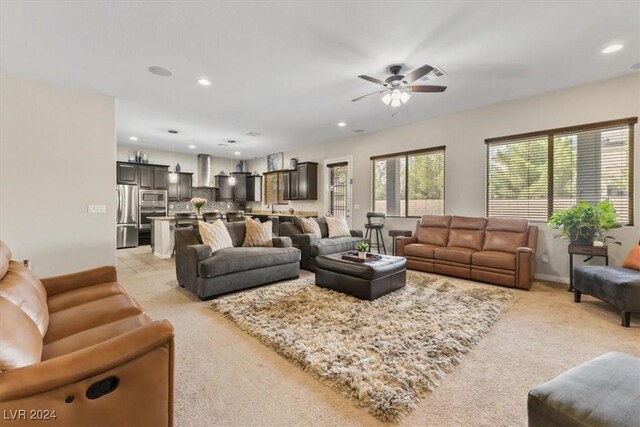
215 235
258 234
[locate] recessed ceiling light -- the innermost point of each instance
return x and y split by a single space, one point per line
160 71
612 48
204 82
359 130
133 138
172 131
342 124
237 153
192 146
223 145
231 141
254 134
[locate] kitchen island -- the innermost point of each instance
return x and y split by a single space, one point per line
163 227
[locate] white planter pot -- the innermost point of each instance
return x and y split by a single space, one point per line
362 255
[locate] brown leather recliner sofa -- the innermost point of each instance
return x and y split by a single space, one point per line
493 250
77 350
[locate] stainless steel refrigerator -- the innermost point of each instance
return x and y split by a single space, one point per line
126 216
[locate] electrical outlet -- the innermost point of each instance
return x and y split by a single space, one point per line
545 258
356 206
96 209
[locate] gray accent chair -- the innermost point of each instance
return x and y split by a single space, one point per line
618 286
311 246
210 275
604 391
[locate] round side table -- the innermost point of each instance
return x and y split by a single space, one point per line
398 233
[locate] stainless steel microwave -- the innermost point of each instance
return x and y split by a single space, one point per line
153 198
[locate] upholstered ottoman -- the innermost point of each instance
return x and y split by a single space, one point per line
369 280
602 392
618 286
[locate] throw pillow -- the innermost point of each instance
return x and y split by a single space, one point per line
215 235
258 233
633 258
310 226
338 227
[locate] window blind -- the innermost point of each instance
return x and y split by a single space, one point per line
409 184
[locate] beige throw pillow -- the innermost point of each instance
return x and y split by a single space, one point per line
215 235
338 227
310 226
258 233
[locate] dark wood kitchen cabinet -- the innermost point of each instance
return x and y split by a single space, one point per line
294 185
307 181
254 188
225 189
145 176
286 185
180 190
160 177
240 186
126 173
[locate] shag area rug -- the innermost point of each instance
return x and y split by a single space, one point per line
383 354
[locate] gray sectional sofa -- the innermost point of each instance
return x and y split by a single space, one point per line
210 275
311 246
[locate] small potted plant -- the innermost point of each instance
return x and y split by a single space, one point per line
584 223
362 248
198 203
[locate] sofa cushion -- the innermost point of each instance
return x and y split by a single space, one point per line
633 258
215 235
324 227
338 227
505 234
258 234
334 245
232 260
310 226
433 229
82 295
21 339
420 250
466 232
17 288
454 254
89 315
495 259
93 336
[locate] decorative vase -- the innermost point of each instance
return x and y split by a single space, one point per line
198 209
362 255
293 163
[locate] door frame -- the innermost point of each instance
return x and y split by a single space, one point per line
327 186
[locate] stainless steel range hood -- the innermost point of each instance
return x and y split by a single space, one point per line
205 172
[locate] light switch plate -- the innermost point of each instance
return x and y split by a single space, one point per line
356 206
96 209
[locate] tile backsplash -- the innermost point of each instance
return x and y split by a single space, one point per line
212 204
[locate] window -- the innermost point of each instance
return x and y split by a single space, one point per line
409 184
533 175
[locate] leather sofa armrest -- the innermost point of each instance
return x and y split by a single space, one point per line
199 252
304 243
68 282
525 267
401 242
90 361
356 233
282 242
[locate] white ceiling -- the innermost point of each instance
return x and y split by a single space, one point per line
288 69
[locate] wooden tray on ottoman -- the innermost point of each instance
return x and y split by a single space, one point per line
353 256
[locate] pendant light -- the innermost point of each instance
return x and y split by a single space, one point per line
173 176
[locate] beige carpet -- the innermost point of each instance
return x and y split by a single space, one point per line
383 354
226 377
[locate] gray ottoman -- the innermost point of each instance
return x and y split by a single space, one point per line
367 281
618 286
602 392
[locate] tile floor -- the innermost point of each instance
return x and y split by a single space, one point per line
139 260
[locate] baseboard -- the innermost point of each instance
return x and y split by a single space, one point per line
550 278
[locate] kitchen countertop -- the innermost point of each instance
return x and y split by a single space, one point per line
249 215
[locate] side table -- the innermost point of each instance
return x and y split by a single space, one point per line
590 252
398 233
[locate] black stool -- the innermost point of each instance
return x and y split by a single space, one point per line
184 220
211 216
375 222
235 216
398 233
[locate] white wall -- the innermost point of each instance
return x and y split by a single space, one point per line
464 135
187 162
57 155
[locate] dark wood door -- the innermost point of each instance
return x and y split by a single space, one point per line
225 191
254 189
185 182
303 182
294 185
126 173
145 177
286 186
160 177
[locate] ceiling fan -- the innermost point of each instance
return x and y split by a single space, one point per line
397 86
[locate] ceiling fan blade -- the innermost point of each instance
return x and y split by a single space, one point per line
427 88
372 80
418 73
364 96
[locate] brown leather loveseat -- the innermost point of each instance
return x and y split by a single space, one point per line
494 250
77 350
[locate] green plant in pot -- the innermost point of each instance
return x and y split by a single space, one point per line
362 248
584 223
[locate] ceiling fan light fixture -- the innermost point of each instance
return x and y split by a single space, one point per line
386 98
404 97
395 94
395 103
